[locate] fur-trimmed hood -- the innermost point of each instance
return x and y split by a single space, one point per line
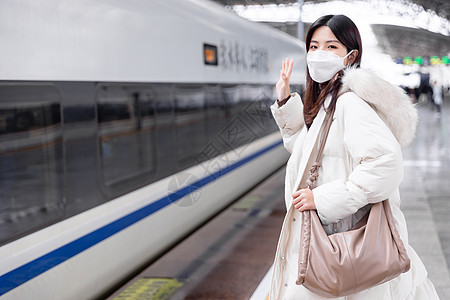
389 101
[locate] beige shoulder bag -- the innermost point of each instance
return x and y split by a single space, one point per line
348 262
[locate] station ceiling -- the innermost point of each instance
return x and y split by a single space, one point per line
441 7
394 40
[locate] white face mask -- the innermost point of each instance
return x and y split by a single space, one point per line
323 65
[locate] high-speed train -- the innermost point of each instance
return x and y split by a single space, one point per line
124 126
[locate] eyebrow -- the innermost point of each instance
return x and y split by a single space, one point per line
330 41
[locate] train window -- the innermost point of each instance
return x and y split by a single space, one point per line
190 125
31 158
148 132
126 118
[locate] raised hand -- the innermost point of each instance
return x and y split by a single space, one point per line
282 86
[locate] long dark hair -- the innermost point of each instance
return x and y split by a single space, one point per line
315 94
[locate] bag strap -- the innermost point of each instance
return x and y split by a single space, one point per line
305 238
314 171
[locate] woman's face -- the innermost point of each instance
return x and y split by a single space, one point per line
324 39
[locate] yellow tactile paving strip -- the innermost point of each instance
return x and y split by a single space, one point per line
150 289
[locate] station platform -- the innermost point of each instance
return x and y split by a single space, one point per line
231 256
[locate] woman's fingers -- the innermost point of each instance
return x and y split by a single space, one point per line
300 192
301 200
286 68
289 71
282 85
282 75
301 207
297 198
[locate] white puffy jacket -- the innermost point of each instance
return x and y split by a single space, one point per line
361 164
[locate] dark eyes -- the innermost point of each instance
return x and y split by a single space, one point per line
314 47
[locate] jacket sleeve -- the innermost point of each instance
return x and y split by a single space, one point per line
377 163
289 119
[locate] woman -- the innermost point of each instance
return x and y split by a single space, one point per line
362 160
